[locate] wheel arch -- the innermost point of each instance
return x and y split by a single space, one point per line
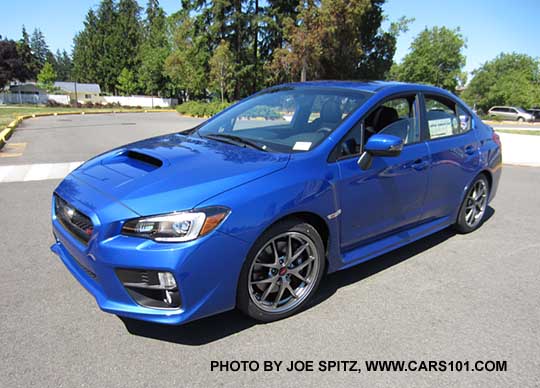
488 176
311 218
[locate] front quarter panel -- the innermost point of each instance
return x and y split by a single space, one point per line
302 187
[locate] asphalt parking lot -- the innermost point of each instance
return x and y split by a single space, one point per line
446 297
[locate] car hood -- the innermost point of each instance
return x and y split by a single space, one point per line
174 172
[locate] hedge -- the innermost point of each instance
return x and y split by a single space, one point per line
201 108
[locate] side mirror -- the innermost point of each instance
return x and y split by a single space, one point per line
380 145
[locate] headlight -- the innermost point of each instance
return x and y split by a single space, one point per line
177 227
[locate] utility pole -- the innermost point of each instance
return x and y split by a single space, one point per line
76 98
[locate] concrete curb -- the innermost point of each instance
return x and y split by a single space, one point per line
515 123
7 132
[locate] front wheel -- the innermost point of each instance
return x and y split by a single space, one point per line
473 208
282 271
521 119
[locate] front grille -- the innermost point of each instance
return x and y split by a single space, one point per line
77 223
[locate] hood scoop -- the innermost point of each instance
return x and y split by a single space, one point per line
123 167
144 158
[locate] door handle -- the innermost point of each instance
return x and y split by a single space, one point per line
419 164
470 149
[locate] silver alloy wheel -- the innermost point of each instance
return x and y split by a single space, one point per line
284 272
476 203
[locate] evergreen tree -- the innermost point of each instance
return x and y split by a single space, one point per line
63 65
127 35
105 44
88 52
154 51
109 42
39 47
29 65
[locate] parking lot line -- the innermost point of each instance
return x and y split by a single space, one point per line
12 150
36 172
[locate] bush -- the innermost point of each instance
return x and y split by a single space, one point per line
54 104
265 112
88 104
201 108
75 104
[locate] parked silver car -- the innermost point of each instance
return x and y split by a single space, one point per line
510 113
535 112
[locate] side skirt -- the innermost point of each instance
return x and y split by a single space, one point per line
387 244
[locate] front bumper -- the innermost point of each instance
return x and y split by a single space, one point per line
206 270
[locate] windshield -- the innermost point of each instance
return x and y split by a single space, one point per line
286 119
521 110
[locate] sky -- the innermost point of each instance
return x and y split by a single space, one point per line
489 26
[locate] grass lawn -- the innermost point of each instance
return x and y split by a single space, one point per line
520 131
8 113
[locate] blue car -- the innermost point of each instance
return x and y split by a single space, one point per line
251 208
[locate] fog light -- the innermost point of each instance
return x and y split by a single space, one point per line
166 280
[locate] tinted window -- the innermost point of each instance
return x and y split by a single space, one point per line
445 117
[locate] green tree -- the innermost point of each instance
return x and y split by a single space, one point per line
222 70
63 65
337 39
47 77
109 42
435 58
12 64
39 47
127 36
87 52
186 66
303 49
154 51
509 79
126 82
29 66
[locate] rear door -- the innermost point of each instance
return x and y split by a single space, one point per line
454 150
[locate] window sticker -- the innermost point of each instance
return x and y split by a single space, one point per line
440 128
302 146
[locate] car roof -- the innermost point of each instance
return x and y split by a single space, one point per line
367 86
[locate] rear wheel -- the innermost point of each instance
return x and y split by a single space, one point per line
282 272
473 208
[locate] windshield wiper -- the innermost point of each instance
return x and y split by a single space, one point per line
236 140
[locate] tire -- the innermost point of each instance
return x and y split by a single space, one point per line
473 208
270 272
521 119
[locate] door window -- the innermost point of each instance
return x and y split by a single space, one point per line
445 117
395 117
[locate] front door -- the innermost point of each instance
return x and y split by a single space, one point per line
390 194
